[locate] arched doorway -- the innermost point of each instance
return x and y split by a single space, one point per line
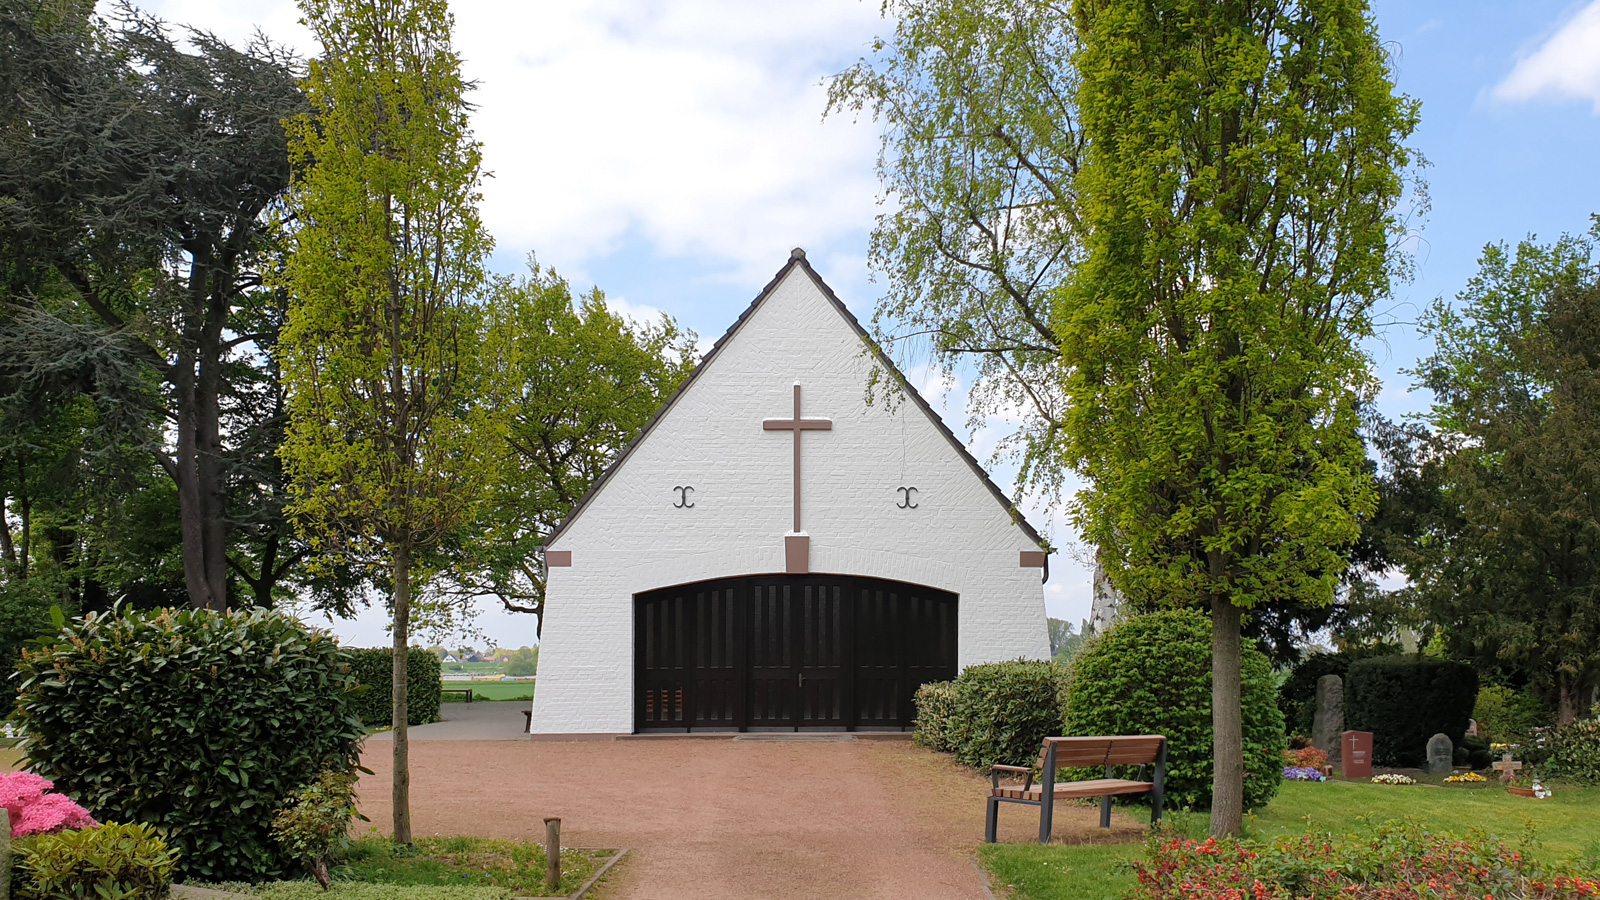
788 653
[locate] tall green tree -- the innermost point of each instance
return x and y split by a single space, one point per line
1182 212
138 171
1510 569
573 384
1239 196
383 448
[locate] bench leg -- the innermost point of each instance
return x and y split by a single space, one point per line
1155 811
991 821
1047 814
1105 811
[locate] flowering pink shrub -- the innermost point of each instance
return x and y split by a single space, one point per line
1395 863
33 811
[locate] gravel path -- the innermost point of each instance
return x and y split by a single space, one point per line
710 819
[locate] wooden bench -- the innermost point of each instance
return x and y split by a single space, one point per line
467 691
1081 752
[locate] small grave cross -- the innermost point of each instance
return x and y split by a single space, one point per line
1508 767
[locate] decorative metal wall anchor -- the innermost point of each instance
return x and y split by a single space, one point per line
907 503
683 497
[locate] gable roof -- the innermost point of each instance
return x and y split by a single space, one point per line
797 257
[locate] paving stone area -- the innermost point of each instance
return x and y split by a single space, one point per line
710 819
482 720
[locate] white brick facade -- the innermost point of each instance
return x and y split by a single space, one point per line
629 537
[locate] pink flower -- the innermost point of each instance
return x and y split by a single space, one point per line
32 811
52 812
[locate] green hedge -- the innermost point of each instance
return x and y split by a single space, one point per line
993 713
1151 674
1003 711
1405 700
1575 751
374 670
1297 696
199 724
936 709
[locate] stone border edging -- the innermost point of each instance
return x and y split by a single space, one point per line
185 892
593 880
983 880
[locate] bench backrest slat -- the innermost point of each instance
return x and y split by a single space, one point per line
1078 752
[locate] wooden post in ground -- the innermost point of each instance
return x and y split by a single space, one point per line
552 853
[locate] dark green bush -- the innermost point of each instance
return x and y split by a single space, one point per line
374 670
936 708
1575 751
197 723
1151 674
1297 696
1405 700
1003 711
108 862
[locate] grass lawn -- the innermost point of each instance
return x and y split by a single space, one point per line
1563 827
441 868
491 690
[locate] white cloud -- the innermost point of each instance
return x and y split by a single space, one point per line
1565 66
694 126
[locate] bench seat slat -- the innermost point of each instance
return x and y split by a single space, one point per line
1097 787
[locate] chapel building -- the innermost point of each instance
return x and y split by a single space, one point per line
776 553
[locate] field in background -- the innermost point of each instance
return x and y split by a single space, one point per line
491 690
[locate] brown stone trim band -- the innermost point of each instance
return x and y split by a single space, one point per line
1032 559
796 554
556 559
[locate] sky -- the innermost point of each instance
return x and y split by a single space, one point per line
673 153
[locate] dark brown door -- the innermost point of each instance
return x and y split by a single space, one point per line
785 652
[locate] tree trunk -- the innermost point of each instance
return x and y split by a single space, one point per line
1567 704
402 742
25 537
7 551
1227 780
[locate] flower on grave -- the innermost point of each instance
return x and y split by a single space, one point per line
1393 779
1540 791
33 810
1466 778
1303 773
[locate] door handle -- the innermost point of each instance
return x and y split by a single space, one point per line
801 679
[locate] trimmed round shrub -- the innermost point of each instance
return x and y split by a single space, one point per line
200 724
1575 751
936 706
374 696
1151 674
1508 716
1406 699
1003 711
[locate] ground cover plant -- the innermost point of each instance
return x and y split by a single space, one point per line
1394 860
197 723
1562 828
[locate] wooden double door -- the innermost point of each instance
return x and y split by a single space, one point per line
788 653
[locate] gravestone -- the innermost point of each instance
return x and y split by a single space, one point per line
1356 750
1329 722
1507 767
1441 754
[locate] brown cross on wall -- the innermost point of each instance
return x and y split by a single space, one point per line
797 425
